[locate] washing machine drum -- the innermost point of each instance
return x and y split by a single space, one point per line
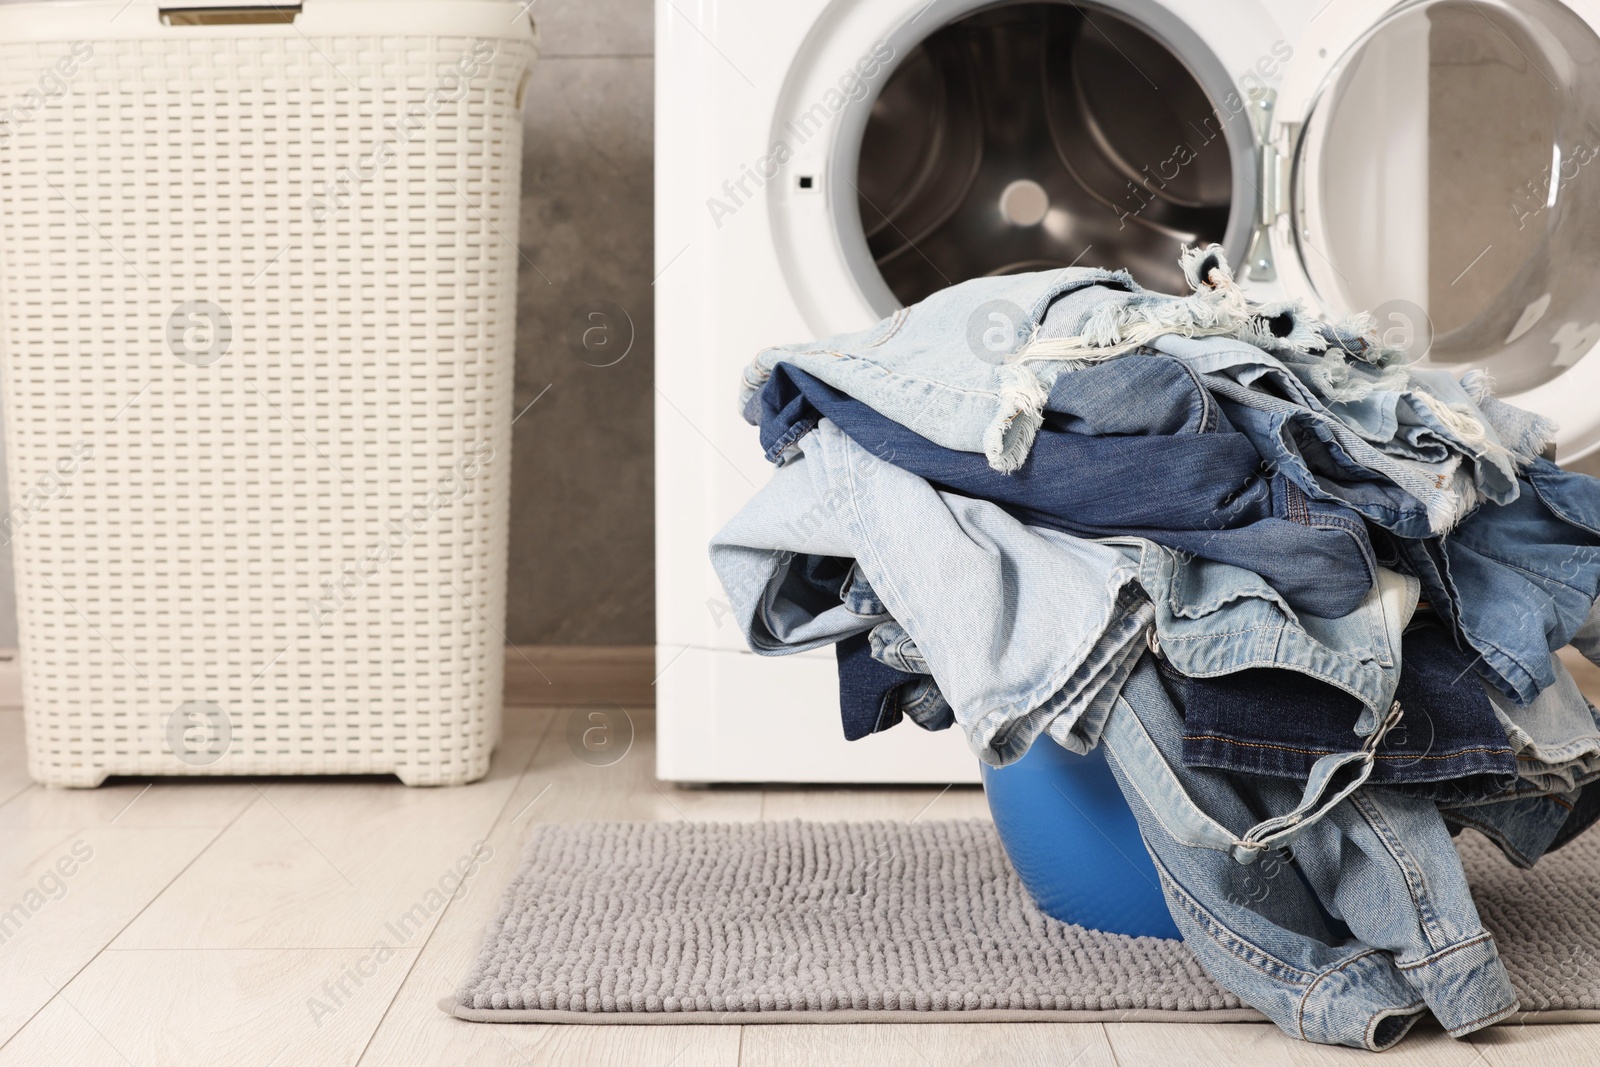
1441 171
1033 136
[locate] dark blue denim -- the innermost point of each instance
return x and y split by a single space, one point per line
1134 394
874 696
1293 441
1448 745
1207 494
1517 580
1526 829
1585 812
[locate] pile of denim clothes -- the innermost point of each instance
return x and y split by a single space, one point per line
1305 595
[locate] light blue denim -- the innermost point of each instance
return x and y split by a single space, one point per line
923 368
1409 412
1556 735
1024 632
1517 581
1213 619
1368 924
1556 738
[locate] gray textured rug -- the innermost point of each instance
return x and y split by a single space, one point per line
853 922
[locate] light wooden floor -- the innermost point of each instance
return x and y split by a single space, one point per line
213 924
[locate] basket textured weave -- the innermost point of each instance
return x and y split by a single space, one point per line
259 299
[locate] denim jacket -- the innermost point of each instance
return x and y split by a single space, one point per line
1369 923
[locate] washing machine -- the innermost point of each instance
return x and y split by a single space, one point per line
820 163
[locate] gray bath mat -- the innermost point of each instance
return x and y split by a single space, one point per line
861 922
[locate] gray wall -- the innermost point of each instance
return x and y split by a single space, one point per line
582 519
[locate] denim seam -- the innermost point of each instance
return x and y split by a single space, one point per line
1484 1020
1333 751
1477 939
1560 513
1247 952
1209 408
1414 1008
1300 1009
794 433
920 704
1122 708
1512 670
897 320
1318 661
1580 749
1416 884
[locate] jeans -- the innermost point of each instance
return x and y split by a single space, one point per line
1024 631
874 696
1330 462
972 367
1212 619
1449 743
930 367
1369 923
1518 580
1204 494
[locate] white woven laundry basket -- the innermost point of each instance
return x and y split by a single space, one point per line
259 291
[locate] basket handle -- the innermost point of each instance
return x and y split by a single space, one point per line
234 14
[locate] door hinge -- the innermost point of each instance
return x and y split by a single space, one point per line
1274 154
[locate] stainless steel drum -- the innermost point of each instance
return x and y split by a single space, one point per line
1035 135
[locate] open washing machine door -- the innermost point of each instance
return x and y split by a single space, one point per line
1438 167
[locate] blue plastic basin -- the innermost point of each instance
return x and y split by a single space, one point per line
1075 843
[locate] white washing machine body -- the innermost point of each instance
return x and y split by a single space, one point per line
770 120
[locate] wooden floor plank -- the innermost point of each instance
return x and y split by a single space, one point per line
331 864
67 894
930 1045
148 803
242 1008
563 783
1232 1044
1556 1045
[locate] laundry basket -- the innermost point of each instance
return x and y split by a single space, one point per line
257 297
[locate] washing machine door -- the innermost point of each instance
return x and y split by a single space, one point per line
1442 173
